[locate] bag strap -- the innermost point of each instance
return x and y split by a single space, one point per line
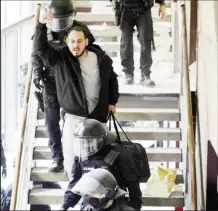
116 122
109 119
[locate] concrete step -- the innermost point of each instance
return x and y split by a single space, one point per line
107 7
140 114
148 114
115 46
47 163
82 6
140 97
168 5
154 154
92 18
42 174
114 31
55 196
44 142
158 134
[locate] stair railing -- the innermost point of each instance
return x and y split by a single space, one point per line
187 123
24 135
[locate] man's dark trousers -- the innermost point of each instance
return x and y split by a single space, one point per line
142 19
52 118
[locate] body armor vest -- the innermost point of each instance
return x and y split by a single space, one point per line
105 161
94 163
134 4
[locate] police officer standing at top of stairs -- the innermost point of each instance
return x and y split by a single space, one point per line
56 37
131 13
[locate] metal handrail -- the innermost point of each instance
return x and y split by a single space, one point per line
186 91
22 131
27 152
21 138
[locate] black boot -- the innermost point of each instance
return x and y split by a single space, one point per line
146 81
64 207
56 167
128 80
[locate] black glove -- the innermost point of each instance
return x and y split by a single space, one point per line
4 172
40 100
36 81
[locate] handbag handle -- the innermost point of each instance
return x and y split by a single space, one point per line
116 122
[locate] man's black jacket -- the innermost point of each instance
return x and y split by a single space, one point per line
37 63
68 77
122 169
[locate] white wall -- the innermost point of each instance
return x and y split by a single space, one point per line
207 88
15 51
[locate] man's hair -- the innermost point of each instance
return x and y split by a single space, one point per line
78 29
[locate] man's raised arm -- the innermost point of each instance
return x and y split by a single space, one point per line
41 47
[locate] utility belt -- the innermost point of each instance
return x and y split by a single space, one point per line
140 4
134 5
134 10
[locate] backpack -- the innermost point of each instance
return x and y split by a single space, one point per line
135 150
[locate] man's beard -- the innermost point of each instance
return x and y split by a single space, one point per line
84 50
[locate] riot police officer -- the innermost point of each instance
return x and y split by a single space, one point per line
92 148
100 191
137 13
51 105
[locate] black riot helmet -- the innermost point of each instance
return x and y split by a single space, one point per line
62 11
89 138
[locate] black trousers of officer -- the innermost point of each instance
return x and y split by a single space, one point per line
142 19
52 118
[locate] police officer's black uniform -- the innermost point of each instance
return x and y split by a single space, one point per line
51 105
137 13
93 152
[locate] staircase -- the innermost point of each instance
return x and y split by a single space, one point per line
134 105
156 155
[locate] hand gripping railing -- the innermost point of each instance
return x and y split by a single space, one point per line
187 119
20 170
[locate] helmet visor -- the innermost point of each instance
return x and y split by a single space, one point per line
85 147
61 24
